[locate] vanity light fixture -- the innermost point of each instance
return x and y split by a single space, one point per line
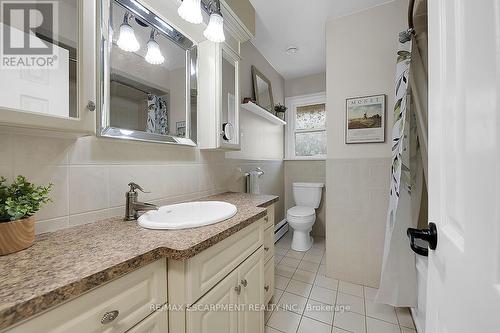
154 56
127 40
190 10
215 29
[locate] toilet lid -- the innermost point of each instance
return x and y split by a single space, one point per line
300 211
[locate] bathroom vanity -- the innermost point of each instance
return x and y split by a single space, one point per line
114 276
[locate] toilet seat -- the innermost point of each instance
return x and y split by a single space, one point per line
301 214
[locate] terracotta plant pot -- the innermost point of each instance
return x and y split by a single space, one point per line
16 235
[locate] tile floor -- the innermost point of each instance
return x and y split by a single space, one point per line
310 302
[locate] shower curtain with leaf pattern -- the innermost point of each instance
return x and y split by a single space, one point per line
157 115
398 284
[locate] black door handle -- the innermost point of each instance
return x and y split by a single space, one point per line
429 235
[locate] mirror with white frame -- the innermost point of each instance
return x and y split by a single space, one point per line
148 77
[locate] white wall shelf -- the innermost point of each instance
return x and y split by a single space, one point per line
260 111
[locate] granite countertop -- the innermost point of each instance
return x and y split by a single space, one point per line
66 263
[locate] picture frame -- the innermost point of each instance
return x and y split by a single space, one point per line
365 119
262 90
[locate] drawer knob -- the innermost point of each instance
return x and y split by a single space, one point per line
237 289
266 219
266 288
266 248
109 317
244 282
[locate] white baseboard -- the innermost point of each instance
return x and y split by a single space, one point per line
280 230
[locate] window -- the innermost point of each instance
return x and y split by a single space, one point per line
306 127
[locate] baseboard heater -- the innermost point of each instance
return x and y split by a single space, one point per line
280 230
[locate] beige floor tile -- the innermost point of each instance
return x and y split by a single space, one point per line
299 288
379 326
315 251
308 266
320 311
356 304
339 330
324 295
308 325
292 302
322 269
280 251
281 282
290 262
381 311
267 315
407 330
284 321
276 296
370 293
313 258
351 288
350 321
295 254
304 276
404 318
271 330
326 282
285 270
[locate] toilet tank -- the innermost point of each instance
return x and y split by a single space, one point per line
307 194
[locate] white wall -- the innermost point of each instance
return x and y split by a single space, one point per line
361 60
310 84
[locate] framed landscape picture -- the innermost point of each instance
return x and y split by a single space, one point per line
365 119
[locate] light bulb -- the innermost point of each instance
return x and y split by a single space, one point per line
215 29
127 40
190 11
154 56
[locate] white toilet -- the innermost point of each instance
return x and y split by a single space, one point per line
301 217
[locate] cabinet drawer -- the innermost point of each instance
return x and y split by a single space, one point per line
130 295
207 268
268 280
155 323
268 244
269 219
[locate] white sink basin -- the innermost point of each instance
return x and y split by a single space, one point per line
187 215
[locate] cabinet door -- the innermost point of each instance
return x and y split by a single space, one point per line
51 90
215 312
251 278
156 323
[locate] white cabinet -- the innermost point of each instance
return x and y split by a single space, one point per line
251 278
208 320
112 308
219 98
229 306
54 95
155 323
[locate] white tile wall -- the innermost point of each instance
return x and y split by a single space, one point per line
90 175
357 198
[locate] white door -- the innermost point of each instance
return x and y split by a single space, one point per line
464 166
214 312
155 323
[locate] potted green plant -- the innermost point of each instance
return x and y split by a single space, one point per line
19 201
280 110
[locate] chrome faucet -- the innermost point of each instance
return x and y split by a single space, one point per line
132 206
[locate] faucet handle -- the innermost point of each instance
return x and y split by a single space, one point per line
134 186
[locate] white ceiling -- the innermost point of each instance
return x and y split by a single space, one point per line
283 23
